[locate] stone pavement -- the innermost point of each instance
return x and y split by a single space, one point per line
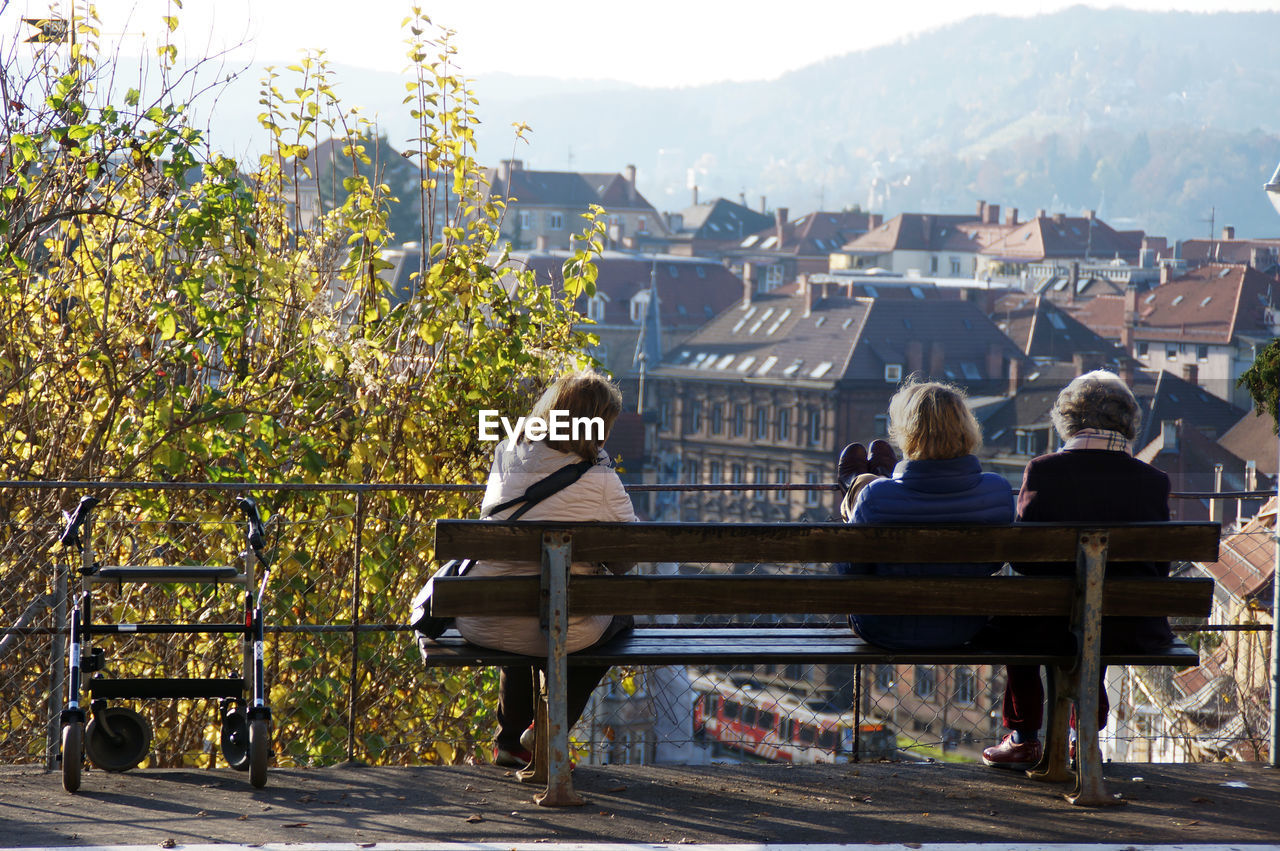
900 803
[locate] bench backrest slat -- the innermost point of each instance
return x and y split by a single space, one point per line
824 542
675 595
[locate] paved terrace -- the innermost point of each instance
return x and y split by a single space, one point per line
901 803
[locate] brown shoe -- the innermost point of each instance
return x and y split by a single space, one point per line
852 463
1009 754
881 460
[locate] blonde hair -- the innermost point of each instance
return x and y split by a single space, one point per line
930 420
1096 400
583 393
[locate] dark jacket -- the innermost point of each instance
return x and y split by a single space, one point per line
951 491
1075 485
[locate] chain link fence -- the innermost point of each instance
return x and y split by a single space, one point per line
345 681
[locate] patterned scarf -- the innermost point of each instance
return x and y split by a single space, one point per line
1097 438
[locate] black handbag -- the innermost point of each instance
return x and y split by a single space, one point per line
432 626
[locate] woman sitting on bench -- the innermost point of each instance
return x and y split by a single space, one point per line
597 495
939 480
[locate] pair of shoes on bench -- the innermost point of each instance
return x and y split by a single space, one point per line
855 460
1013 755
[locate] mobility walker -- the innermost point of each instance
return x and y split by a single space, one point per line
117 738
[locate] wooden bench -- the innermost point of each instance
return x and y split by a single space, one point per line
1085 598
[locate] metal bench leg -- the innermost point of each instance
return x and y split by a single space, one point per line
1091 563
556 558
1053 766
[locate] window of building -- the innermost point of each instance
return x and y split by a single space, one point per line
717 418
692 471
955 266
664 415
713 473
758 477
784 425
893 372
966 686
780 478
639 302
762 422
1171 351
526 220
737 478
886 676
595 308
739 420
933 264
773 277
555 221
811 496
815 426
642 224
1202 353
926 683
882 425
1144 349
695 416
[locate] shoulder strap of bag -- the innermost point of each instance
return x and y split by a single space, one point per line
540 490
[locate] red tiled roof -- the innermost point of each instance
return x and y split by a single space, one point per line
813 234
690 290
1047 237
1041 329
918 232
1246 560
1253 438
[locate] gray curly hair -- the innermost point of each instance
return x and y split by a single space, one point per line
1096 400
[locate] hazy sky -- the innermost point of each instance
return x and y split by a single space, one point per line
656 42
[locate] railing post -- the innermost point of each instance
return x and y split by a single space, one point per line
57 668
1275 632
353 683
857 713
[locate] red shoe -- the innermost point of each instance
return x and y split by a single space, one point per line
1009 754
517 758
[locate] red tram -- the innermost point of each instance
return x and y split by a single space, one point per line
777 726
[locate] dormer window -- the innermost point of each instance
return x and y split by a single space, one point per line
639 302
595 307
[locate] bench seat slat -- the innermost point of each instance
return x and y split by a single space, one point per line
802 645
676 595
822 542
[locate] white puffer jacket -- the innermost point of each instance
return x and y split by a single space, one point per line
598 495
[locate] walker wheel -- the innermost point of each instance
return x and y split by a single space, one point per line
259 751
117 738
235 737
72 755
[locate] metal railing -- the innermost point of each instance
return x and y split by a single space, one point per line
346 684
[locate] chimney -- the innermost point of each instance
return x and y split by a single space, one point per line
1091 215
1191 373
742 198
1073 281
1079 363
982 211
748 284
995 361
993 214
1228 232
763 208
1011 216
1127 373
1166 273
630 174
1059 218
810 294
1129 321
1015 376
543 242
780 223
695 194
1040 213
936 359
874 220
915 356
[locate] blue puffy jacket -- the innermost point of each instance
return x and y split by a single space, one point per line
951 491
